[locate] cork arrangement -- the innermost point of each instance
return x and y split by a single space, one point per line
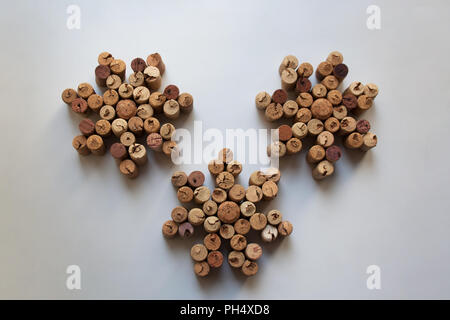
226 215
322 111
131 113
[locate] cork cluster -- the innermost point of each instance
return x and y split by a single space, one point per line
321 111
227 214
129 111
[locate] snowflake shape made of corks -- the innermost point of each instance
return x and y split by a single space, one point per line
228 213
321 111
127 111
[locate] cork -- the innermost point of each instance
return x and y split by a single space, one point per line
79 143
363 126
236 259
228 212
269 190
215 259
276 149
226 231
169 229
305 70
110 97
323 170
369 141
371 90
262 100
127 139
219 195
273 174
332 124
199 252
102 73
340 112
68 96
253 251
285 228
274 217
151 125
325 139
212 241
293 145
185 194
212 224
279 96
179 179
348 125
79 105
171 92
118 67
225 180
319 91
303 115
87 127
129 169
355 88
290 61
96 145
201 194
118 151
274 111
290 108
242 226
141 95
155 60
167 130
170 148
315 126
364 102
249 268
284 132
333 153
103 127
254 194
137 79
236 193
288 79
171 109
335 97
138 154
257 178
216 166
196 216
105 58
349 101
201 269
210 207
119 126
324 69
226 155
138 64
299 131
157 100
335 58
303 85
185 230
315 154
340 71
330 82
247 209
269 233
152 78
238 242
258 221
196 179
321 109
155 142
107 113
144 111
186 102
125 91
113 82
304 100
179 214
84 90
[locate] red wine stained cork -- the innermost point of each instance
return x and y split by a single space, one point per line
356 88
369 141
293 145
144 111
215 259
166 131
152 78
225 180
242 226
170 148
303 85
127 139
199 252
321 109
85 90
236 259
350 101
226 231
171 109
186 102
110 97
257 178
325 139
96 145
253 251
335 97
201 269
279 96
340 71
136 125
95 102
219 195
273 174
363 126
102 73
315 154
324 69
299 130
155 142
269 233
107 113
276 149
212 241
118 151
79 143
185 230
211 224
364 102
348 125
288 79
196 179
315 126
138 154
196 216
371 90
340 112
335 58
238 242
226 155
228 212
319 91
113 82
285 228
290 109
179 179
332 124
155 60
179 214
303 115
234 167
169 229
185 194
118 67
323 170
152 125
103 127
254 194
137 79
333 153
330 82
79 105
210 207
87 127
201 194
157 100
249 268
215 167
304 100
274 112
274 217
69 95
305 70
262 100
138 64
269 190
119 126
289 61
236 193
258 221
105 59
284 132
171 92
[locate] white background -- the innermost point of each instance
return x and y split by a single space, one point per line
389 207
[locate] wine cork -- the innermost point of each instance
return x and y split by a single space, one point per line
219 195
96 145
228 212
136 79
210 207
212 241
170 148
125 91
169 229
171 109
340 112
269 190
348 125
273 174
364 102
253 251
171 92
196 179
138 154
269 233
103 128
79 105
330 82
157 100
335 97
151 125
299 131
87 127
333 153
355 88
249 268
340 71
196 216
118 67
369 141
242 226
254 194
215 259
225 180
226 155
325 139
285 228
155 60
212 224
186 102
284 132
290 108
303 115
248 208
152 78
226 231
304 100
105 58
201 269
129 169
236 259
215 167
319 91
185 230
262 100
305 70
335 58
79 143
257 178
68 96
118 151
166 131
107 113
323 170
371 90
324 69
111 97
84 90
279 96
332 125
141 95
321 109
179 179
155 142
185 194
179 214
303 85
315 154
102 73
293 146
274 217
288 79
144 111
363 126
258 221
274 112
236 193
201 194
138 64
238 242
290 61
276 149
315 126
113 82
199 252
127 139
